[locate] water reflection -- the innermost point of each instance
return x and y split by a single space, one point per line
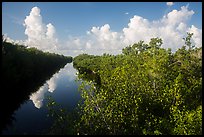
17 96
62 87
68 71
38 96
52 83
49 86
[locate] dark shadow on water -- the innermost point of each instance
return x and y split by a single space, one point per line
14 95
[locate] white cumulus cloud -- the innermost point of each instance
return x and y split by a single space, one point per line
8 39
172 27
97 41
39 35
169 3
197 35
104 38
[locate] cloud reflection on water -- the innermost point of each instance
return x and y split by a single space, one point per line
38 96
66 73
52 83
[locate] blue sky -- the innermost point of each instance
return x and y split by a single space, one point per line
76 18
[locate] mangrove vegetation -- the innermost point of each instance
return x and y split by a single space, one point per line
146 90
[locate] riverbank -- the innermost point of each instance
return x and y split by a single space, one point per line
24 71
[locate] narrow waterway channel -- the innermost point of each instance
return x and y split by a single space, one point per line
32 116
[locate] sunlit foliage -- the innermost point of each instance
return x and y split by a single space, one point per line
146 90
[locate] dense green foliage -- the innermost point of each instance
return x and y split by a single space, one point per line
21 64
24 70
146 90
63 119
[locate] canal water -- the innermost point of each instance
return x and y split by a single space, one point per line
32 116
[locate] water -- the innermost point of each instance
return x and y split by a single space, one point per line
31 117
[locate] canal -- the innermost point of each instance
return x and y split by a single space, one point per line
32 116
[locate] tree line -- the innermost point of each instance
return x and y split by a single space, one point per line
24 70
146 90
